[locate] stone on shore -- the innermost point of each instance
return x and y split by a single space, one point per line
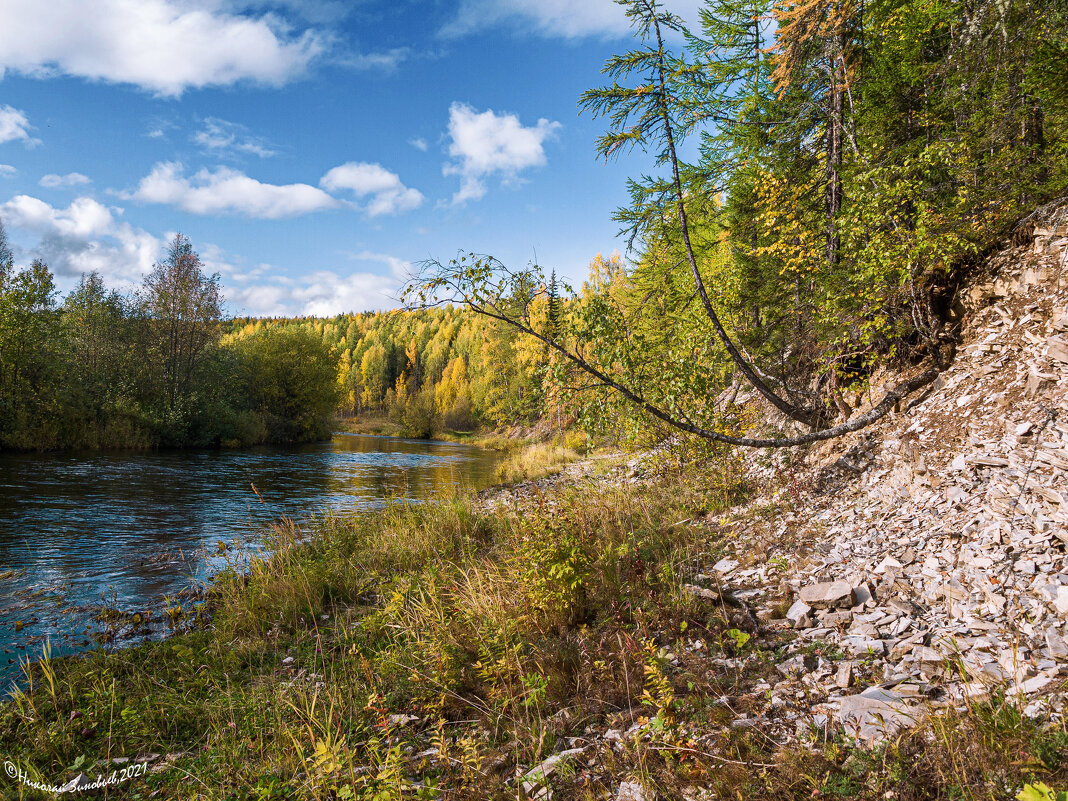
829 595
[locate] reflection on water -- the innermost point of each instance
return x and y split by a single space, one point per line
131 528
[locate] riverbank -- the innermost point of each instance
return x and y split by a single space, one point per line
103 547
531 452
344 661
567 633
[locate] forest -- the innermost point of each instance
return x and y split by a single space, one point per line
447 369
164 367
853 161
107 370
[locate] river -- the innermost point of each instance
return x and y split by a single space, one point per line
126 530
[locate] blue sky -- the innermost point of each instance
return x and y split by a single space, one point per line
311 149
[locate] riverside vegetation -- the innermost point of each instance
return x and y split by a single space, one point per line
107 370
858 164
492 648
161 366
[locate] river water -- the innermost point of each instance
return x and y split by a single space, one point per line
127 530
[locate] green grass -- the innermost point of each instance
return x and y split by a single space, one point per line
490 440
382 426
378 425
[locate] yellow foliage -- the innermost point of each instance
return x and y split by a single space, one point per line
453 384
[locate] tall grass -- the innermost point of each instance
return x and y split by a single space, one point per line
535 461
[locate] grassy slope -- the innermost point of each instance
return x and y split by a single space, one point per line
505 633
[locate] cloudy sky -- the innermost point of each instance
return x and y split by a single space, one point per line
311 149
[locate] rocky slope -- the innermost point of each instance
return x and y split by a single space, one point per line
916 565
929 550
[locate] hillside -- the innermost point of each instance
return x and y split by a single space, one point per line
931 548
916 568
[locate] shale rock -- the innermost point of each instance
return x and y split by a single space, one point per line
828 595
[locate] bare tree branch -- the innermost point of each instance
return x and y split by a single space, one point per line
439 277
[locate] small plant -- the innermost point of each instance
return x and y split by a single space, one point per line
780 563
658 691
537 686
553 567
739 637
1038 791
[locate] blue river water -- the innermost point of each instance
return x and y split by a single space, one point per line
134 531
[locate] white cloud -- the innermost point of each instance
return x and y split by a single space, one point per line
563 18
227 191
419 144
84 237
14 126
84 217
7 171
398 268
164 46
263 290
71 179
160 127
388 195
486 143
321 294
87 236
231 269
222 137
